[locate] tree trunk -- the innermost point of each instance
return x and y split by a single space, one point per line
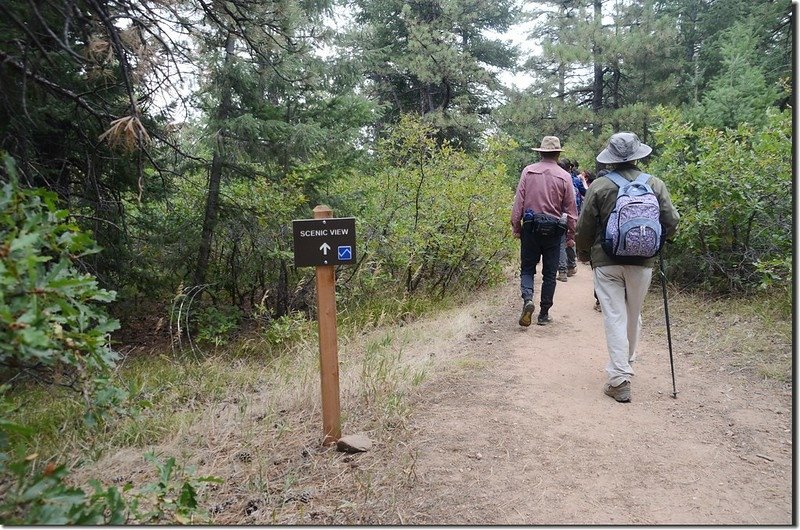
615 95
282 296
215 175
597 89
692 48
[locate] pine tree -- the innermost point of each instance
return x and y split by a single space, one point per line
433 58
739 94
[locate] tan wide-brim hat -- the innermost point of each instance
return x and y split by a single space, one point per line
623 147
550 144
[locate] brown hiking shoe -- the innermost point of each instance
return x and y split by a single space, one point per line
621 392
527 313
572 271
562 276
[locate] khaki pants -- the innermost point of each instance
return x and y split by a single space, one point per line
621 290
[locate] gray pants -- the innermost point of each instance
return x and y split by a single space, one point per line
621 290
566 258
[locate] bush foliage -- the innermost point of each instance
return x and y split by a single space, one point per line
52 326
53 330
430 216
733 190
44 497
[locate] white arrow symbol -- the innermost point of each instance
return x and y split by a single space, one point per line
325 248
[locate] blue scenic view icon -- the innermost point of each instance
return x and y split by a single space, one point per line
345 253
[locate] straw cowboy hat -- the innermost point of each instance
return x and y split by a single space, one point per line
623 147
550 144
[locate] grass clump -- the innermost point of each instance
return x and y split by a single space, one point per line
749 334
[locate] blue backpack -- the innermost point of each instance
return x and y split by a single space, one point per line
633 230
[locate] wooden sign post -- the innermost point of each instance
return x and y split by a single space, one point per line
328 348
325 242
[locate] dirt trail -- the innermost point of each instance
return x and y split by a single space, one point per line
529 438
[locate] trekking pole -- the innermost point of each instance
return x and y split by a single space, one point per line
666 315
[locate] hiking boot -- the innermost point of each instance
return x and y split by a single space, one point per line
527 313
621 392
572 271
562 276
543 319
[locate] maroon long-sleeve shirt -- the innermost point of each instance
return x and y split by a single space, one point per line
545 188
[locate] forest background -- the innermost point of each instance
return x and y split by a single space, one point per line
155 153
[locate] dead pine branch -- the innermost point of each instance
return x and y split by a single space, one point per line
127 133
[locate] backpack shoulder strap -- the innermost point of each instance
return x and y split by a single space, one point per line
617 179
642 178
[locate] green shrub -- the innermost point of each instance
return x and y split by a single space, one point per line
53 331
430 216
43 497
52 326
733 190
285 329
215 325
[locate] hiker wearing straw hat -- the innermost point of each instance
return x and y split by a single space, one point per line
622 258
544 210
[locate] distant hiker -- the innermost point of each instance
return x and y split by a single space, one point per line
567 263
543 211
587 177
621 283
579 184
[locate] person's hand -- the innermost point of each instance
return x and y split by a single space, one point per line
516 235
571 244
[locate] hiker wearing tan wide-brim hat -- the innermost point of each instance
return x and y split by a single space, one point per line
544 210
550 144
